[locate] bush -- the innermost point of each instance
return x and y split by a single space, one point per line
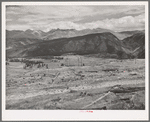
14 60
114 56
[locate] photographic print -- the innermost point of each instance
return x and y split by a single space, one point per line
82 57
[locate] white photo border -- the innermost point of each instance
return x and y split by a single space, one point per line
53 115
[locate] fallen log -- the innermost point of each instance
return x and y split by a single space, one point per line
92 71
53 80
96 100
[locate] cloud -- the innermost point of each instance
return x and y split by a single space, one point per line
124 23
119 24
115 17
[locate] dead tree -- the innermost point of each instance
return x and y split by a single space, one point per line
47 66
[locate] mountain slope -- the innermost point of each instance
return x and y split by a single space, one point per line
136 44
15 34
105 44
135 40
20 42
10 34
88 44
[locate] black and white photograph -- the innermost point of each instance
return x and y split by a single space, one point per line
83 57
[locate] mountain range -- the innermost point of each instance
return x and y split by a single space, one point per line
63 33
31 43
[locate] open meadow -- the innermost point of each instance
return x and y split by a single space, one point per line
76 83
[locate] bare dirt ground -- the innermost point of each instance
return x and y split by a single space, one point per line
100 84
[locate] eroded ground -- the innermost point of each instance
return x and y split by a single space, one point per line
99 84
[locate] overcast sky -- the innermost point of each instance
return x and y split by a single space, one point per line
42 17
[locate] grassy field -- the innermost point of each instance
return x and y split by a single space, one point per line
100 84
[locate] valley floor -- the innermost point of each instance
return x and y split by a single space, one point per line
100 84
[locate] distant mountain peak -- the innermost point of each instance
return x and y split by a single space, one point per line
29 31
58 29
